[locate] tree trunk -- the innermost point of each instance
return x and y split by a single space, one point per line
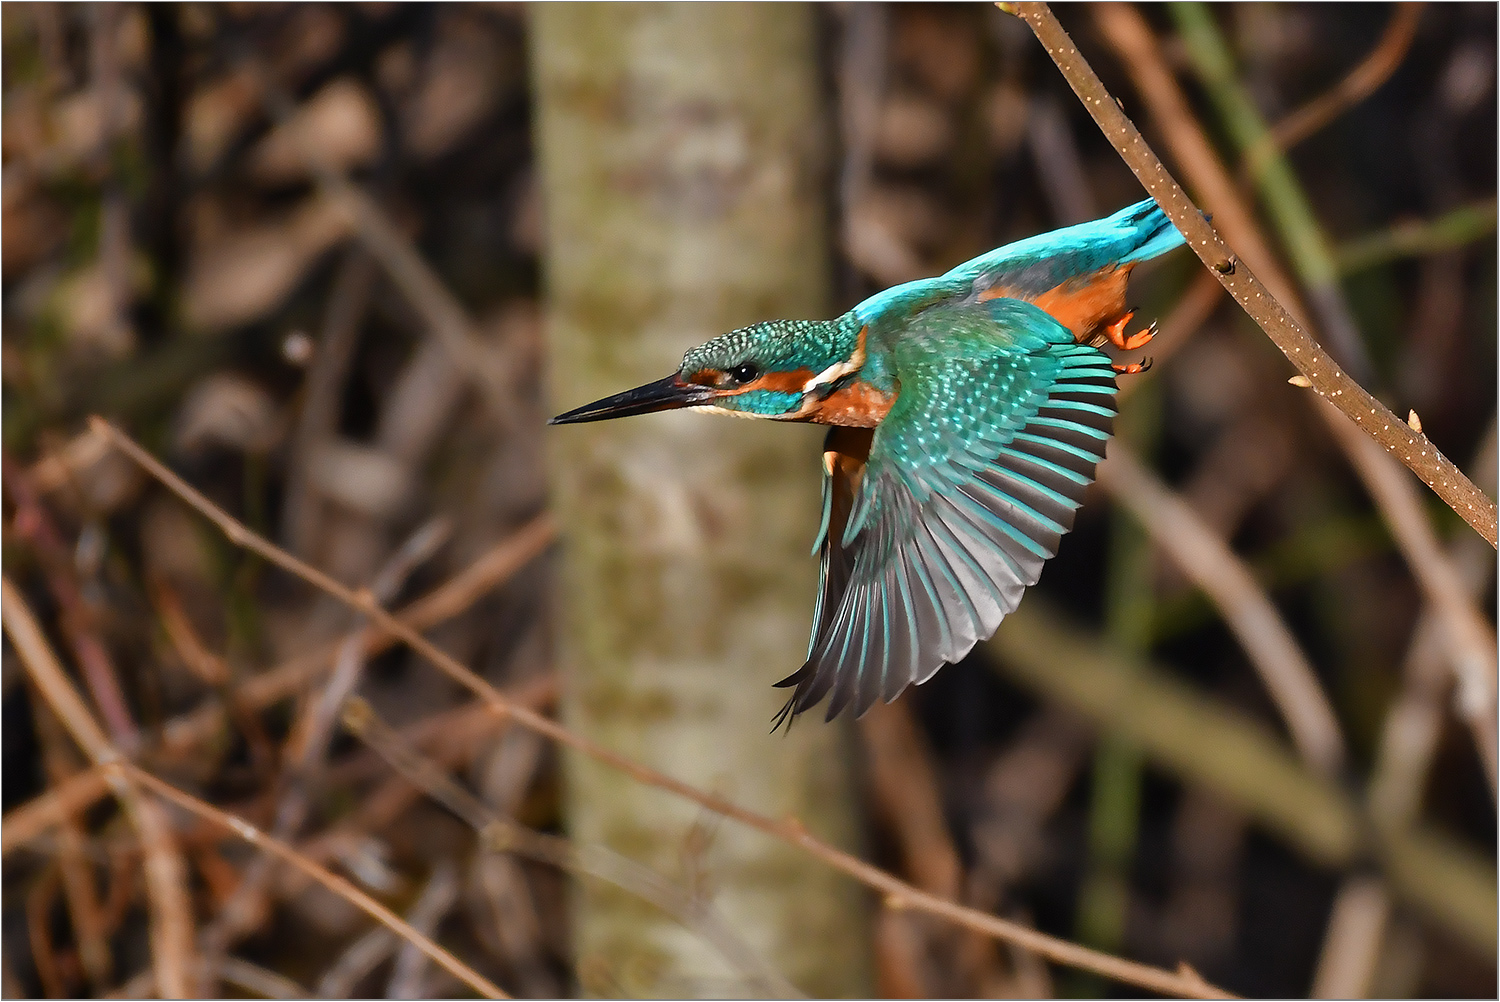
682 158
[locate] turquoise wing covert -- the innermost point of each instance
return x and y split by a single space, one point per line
969 484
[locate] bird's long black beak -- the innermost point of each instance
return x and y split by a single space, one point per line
663 395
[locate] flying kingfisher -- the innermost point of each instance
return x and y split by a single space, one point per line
968 412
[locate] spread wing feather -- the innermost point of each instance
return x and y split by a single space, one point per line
935 525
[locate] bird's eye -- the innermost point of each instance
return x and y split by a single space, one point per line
743 373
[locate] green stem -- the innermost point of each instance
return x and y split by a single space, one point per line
1281 192
1114 811
1463 225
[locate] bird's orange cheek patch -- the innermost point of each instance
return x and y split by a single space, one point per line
858 405
780 382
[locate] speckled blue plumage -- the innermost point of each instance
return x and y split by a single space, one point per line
975 474
969 413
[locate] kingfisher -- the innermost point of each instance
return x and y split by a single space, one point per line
967 414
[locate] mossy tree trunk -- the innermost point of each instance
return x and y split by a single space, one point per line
682 166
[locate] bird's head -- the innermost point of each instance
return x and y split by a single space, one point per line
767 370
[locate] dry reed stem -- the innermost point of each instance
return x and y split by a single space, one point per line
334 883
790 831
1373 418
1362 81
166 875
1352 942
1207 559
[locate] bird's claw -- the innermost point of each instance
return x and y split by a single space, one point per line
1132 368
1117 336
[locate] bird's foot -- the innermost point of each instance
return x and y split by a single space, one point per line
1132 368
1117 336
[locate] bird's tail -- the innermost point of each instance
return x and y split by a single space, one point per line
1077 273
1030 267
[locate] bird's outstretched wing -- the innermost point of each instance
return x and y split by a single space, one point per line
968 486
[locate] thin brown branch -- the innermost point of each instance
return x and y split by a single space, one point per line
308 745
789 831
500 832
166 875
241 973
27 823
1300 348
1362 81
1207 559
455 596
435 901
334 883
79 890
1127 31
34 523
1470 639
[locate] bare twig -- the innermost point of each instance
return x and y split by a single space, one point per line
789 831
1304 352
313 733
492 569
28 822
1128 32
34 524
334 883
1470 639
500 832
435 901
166 876
1207 559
